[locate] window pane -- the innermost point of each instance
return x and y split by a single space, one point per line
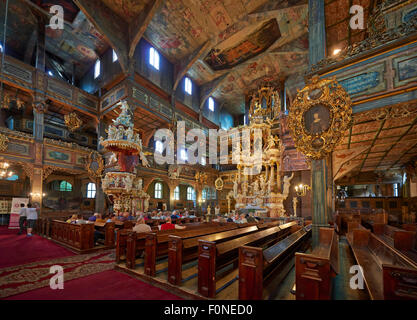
177 193
188 86
158 190
97 69
184 154
154 58
115 56
211 104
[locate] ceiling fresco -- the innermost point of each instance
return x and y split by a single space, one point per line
78 43
252 41
249 41
127 9
255 43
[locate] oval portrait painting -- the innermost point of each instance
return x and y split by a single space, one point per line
317 119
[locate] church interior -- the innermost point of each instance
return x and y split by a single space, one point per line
208 150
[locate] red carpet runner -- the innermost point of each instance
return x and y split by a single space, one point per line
107 285
18 279
25 273
18 249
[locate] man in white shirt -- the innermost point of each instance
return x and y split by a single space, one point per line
22 218
141 226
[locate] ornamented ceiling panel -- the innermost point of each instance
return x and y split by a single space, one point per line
388 137
127 9
250 40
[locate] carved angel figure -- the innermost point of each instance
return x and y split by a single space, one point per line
145 162
139 184
287 183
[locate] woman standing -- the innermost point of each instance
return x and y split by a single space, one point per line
32 216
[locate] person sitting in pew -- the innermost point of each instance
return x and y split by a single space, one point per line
141 226
111 218
73 219
175 215
192 215
241 219
230 218
250 219
93 218
80 219
168 225
100 219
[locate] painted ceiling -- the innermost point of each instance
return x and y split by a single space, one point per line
251 41
78 43
380 140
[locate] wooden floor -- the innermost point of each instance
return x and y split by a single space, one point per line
278 288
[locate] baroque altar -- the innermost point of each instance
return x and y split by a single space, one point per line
258 183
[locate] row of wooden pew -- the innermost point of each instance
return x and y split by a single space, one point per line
388 258
214 252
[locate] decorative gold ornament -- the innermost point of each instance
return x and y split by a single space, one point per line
319 116
265 103
95 165
219 184
4 141
72 121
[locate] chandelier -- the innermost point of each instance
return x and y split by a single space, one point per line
4 169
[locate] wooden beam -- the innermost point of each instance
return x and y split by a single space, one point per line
208 89
138 27
192 58
115 31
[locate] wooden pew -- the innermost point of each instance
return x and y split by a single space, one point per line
314 271
388 274
79 237
413 228
257 265
400 239
107 228
181 251
156 246
354 225
123 234
213 256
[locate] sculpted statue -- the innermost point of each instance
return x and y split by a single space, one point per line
174 172
245 188
146 203
129 134
145 162
128 182
112 159
120 133
112 131
235 189
294 205
105 182
287 183
255 187
139 184
262 181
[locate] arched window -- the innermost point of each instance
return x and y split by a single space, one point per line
190 193
204 194
158 190
91 190
65 186
177 193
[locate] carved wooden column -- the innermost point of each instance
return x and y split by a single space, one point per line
100 197
317 52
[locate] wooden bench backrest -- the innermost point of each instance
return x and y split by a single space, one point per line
225 247
164 238
274 252
193 242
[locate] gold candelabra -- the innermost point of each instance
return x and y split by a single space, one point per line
302 189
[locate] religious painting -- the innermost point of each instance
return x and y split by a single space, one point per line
254 44
407 69
317 119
